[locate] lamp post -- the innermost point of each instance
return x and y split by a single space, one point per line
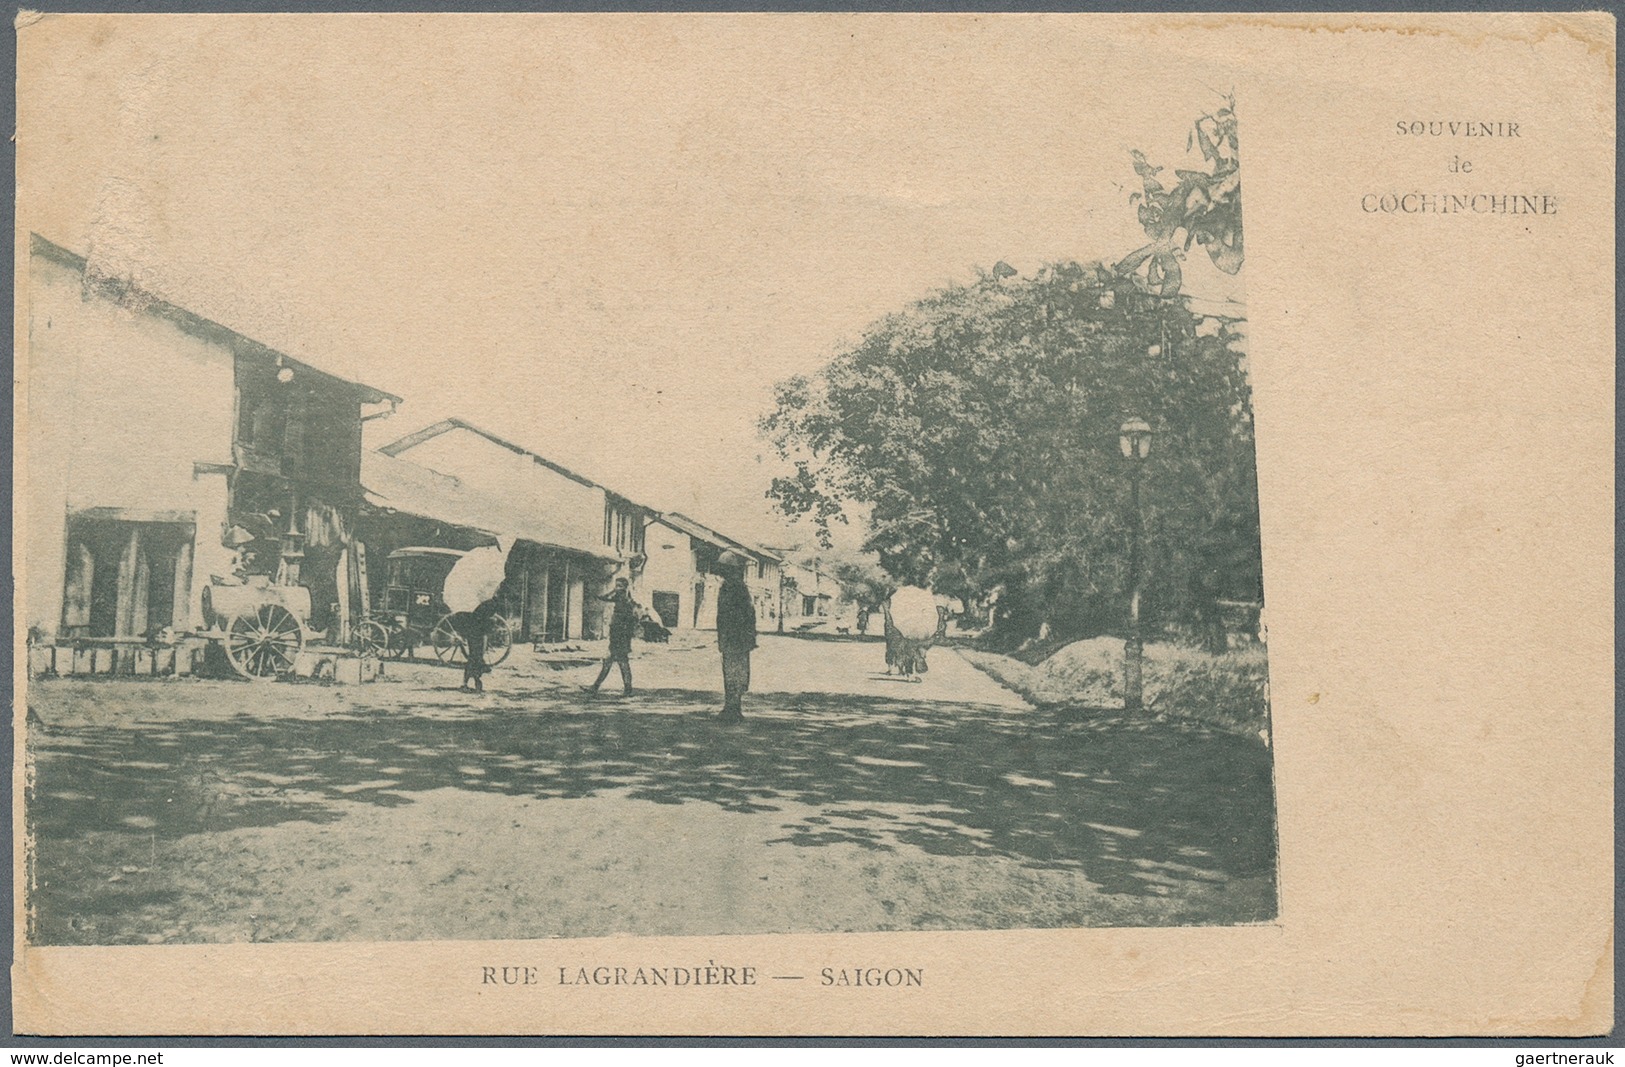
1134 439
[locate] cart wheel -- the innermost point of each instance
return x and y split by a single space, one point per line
370 638
400 644
498 641
263 643
449 646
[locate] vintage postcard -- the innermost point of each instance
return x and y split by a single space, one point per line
814 524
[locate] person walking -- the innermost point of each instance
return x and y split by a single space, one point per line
907 653
622 622
473 627
736 635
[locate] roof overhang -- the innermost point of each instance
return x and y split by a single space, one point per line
398 485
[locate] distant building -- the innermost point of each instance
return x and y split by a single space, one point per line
409 508
812 599
809 596
166 452
682 577
593 533
594 536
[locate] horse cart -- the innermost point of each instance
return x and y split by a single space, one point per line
415 613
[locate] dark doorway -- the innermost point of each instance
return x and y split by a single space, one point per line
125 578
558 601
666 606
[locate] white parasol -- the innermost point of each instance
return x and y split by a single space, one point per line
475 578
914 613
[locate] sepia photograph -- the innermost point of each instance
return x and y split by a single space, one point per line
818 523
700 514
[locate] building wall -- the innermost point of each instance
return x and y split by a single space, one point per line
576 511
804 584
764 592
674 566
670 569
708 601
120 403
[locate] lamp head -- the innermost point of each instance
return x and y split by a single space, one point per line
1134 439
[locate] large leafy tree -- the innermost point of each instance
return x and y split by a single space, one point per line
979 426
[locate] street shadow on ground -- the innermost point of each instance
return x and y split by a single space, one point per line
1139 808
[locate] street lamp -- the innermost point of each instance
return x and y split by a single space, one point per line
1134 439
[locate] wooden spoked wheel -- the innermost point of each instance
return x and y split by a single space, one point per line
449 646
264 642
370 638
498 641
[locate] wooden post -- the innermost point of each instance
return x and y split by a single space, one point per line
341 583
143 589
181 606
365 598
81 575
569 586
1134 647
524 600
124 612
547 572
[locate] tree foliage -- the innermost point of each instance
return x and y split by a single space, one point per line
861 581
980 425
1204 205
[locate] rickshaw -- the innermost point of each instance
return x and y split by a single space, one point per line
414 613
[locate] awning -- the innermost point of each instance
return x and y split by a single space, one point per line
399 485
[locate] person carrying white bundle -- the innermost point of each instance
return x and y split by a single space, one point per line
911 628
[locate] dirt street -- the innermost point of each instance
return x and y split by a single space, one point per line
204 811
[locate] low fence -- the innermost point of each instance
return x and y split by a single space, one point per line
131 657
183 657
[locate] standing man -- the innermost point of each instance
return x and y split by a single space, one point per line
736 635
622 622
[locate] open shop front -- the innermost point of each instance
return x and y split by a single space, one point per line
550 591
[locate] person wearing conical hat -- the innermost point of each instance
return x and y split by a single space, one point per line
736 634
